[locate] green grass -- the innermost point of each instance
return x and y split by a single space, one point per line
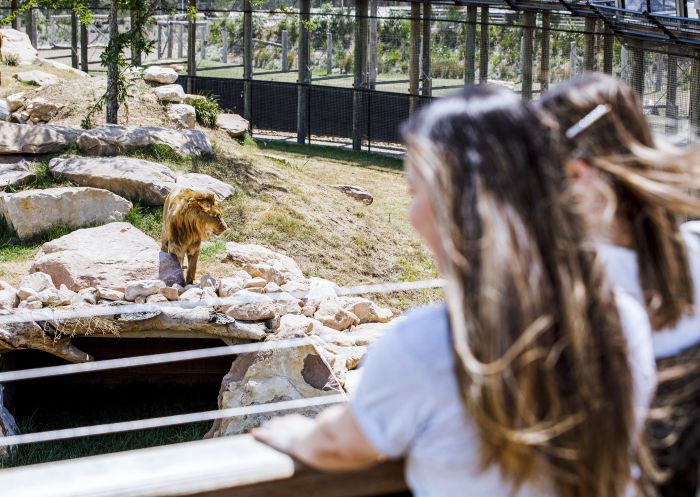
147 219
206 111
212 249
160 152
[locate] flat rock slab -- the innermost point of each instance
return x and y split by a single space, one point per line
33 212
137 179
357 193
28 139
160 75
15 44
204 182
108 256
113 140
14 171
233 124
37 78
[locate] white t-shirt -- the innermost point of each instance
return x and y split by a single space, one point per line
407 404
623 271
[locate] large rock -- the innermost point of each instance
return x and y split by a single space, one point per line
160 75
32 212
333 315
138 179
233 124
63 67
16 45
28 139
112 140
273 376
204 182
242 255
14 171
183 116
37 78
41 110
8 296
109 256
170 94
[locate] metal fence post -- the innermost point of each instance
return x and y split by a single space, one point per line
159 40
426 72
14 6
608 47
637 70
83 48
224 44
304 72
414 58
170 38
484 46
74 40
373 45
285 49
545 51
31 27
180 40
360 71
203 41
589 44
470 46
573 62
191 49
671 93
247 59
329 53
695 96
527 49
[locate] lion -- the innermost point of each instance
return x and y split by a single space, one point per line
189 217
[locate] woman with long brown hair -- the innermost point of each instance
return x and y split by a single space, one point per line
525 383
632 192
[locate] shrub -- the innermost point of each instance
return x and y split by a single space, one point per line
206 110
11 59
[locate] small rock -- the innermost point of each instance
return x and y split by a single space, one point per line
272 287
209 293
14 171
256 283
41 110
266 272
24 293
366 310
234 125
357 193
140 300
273 324
251 306
295 287
142 288
170 293
8 296
37 281
180 289
37 78
295 326
207 281
160 75
30 305
229 286
87 295
170 93
183 116
5 113
54 297
20 117
157 298
110 294
15 101
332 314
192 295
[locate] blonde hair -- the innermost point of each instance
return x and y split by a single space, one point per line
540 355
654 184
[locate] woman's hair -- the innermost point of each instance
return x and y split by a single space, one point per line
651 181
540 355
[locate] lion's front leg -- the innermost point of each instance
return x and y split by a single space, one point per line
192 257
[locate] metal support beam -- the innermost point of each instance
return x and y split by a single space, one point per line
526 50
304 72
31 27
589 44
426 71
414 57
14 6
695 96
470 46
74 40
608 47
247 60
636 63
671 93
191 48
360 71
484 46
83 47
545 51
285 49
373 45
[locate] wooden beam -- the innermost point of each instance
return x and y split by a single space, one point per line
608 47
671 94
74 28
470 46
84 48
360 71
545 51
484 46
304 72
527 49
695 96
247 60
426 72
589 44
220 467
191 49
636 63
414 58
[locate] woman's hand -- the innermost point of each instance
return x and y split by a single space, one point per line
331 442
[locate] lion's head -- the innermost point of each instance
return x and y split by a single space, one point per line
209 214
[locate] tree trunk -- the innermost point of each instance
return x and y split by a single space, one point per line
14 5
112 104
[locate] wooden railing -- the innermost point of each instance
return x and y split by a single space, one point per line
223 467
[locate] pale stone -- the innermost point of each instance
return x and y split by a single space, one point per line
24 293
266 272
37 282
331 313
37 78
366 310
183 116
41 110
8 296
357 193
205 183
108 256
170 293
207 281
272 287
20 117
32 212
319 290
169 93
233 124
110 294
87 295
295 287
15 172
192 295
112 140
156 299
229 286
138 179
54 297
63 67
140 300
251 306
240 255
160 75
30 305
255 283
295 326
5 112
142 288
15 101
16 45
28 139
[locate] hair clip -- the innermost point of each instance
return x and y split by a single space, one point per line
587 121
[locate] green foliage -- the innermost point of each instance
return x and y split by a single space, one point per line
10 59
147 219
206 110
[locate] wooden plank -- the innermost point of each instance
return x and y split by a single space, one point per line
231 466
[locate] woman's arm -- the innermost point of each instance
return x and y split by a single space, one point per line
331 442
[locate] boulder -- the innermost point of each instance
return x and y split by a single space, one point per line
37 78
14 171
112 140
258 283
138 179
15 101
32 212
160 75
251 306
170 94
366 310
241 255
142 288
28 139
63 67
9 298
272 376
109 294
170 293
232 284
41 110
357 193
108 256
5 113
204 182
37 282
234 125
183 116
16 45
192 295
332 314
